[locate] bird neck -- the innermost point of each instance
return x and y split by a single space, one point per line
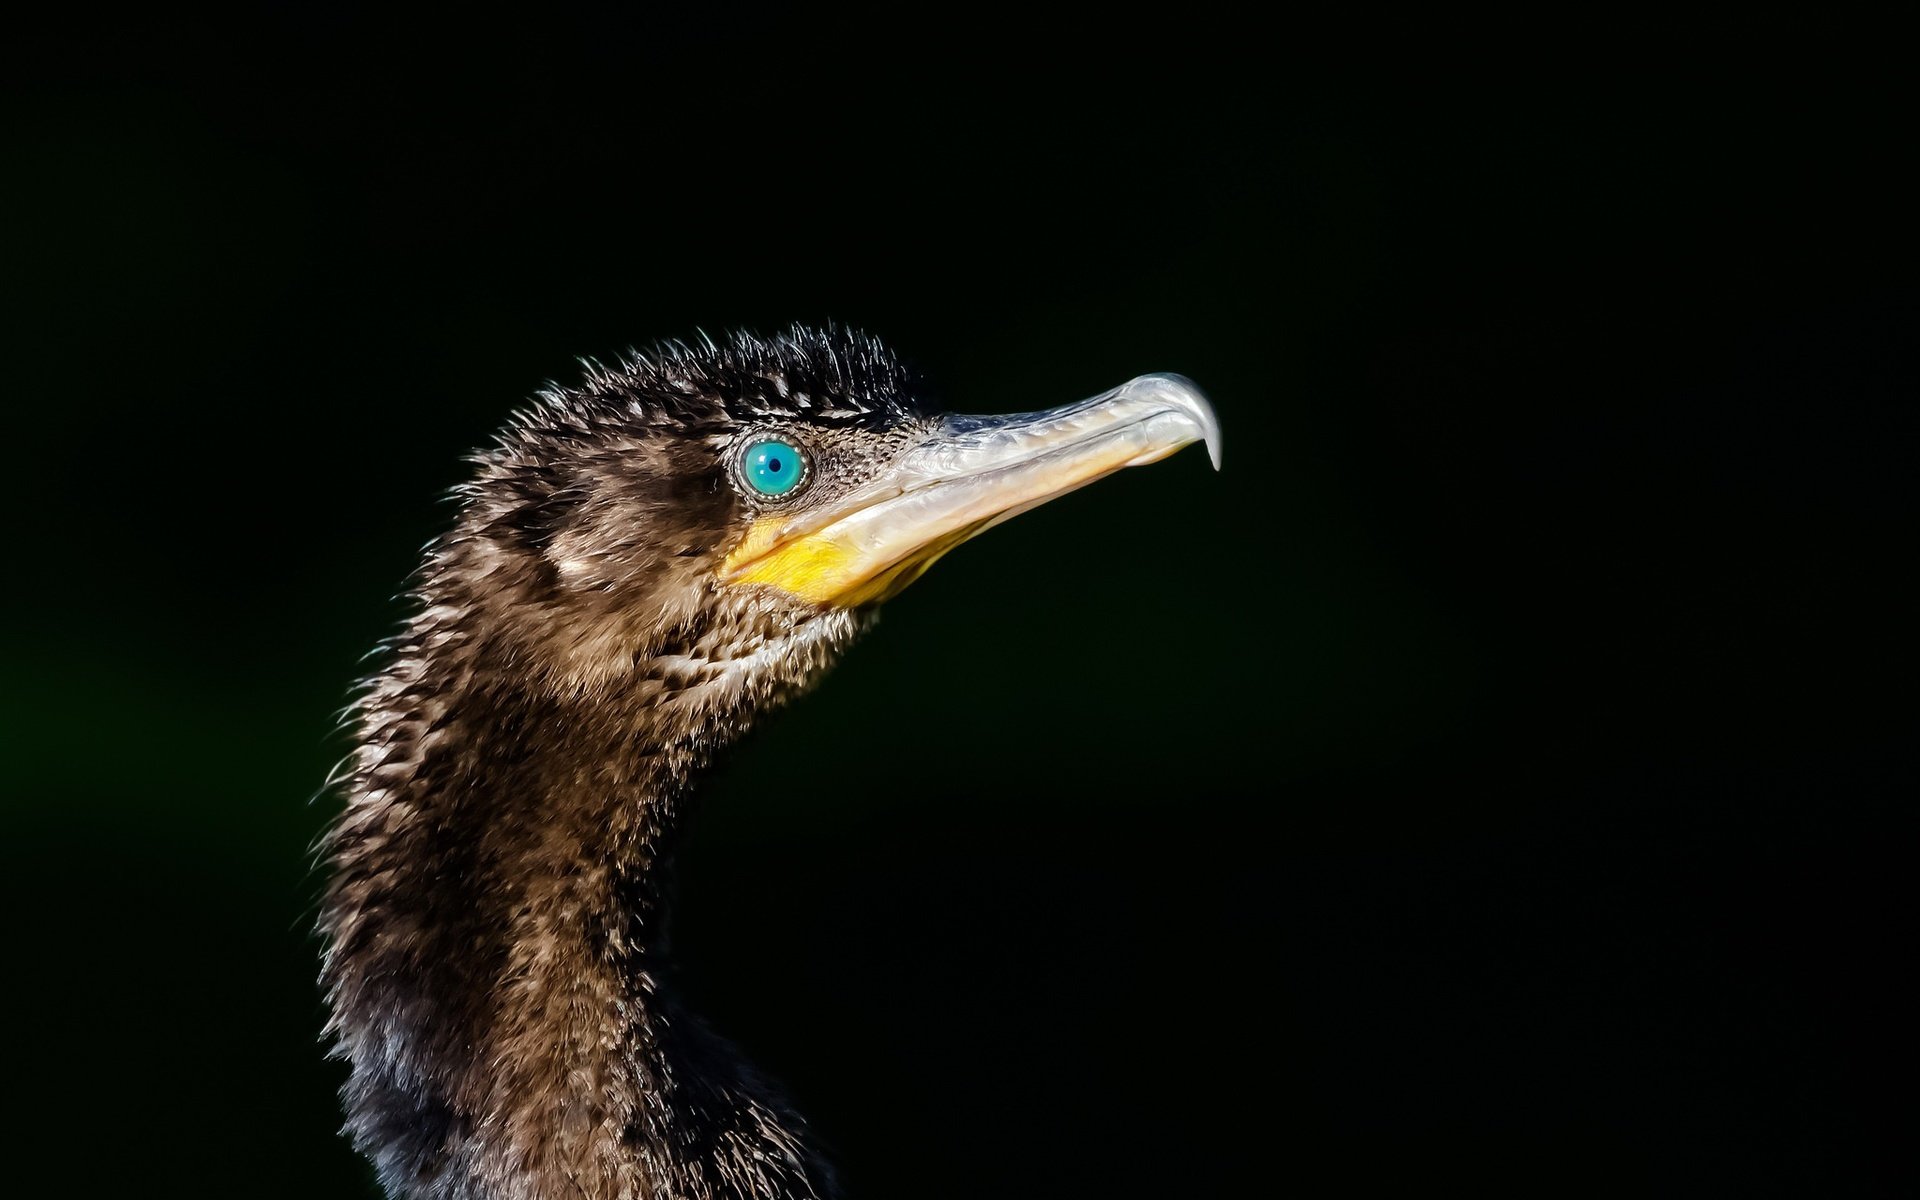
495 923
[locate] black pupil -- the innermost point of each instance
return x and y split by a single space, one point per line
773 464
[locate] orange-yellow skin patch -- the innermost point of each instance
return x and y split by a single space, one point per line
822 569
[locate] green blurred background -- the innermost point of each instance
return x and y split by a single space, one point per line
1476 783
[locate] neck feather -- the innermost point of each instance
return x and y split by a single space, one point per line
494 919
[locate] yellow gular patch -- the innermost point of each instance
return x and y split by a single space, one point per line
821 569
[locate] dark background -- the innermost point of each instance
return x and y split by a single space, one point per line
1490 779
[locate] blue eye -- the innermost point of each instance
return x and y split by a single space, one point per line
773 467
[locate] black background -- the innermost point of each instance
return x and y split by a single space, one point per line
1489 779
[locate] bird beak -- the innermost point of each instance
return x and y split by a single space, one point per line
970 474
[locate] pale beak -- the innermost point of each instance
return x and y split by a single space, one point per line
971 474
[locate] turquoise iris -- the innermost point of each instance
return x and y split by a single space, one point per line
773 467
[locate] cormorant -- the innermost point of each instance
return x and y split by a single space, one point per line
640 566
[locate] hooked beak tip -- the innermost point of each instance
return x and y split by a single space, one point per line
1183 394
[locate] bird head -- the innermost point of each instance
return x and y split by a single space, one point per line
792 482
641 564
